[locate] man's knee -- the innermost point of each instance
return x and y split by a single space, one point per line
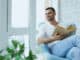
78 41
74 54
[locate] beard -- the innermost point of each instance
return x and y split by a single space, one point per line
50 19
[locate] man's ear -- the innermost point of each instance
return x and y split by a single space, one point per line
55 13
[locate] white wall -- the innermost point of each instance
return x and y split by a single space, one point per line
70 12
3 24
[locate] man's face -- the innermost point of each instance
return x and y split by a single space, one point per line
50 15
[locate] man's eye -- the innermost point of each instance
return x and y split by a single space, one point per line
49 13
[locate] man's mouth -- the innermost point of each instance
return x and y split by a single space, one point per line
49 19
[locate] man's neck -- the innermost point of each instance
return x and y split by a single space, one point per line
54 23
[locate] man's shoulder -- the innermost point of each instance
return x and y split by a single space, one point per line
44 25
63 25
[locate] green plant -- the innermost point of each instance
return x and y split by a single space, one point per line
16 52
1 56
31 56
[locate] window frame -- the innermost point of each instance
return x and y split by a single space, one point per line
30 30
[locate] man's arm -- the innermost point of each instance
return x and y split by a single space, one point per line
53 38
50 39
56 36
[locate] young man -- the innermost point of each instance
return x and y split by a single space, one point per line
54 44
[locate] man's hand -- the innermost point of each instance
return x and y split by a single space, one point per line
49 40
41 40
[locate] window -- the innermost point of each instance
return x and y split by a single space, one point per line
18 19
20 13
24 18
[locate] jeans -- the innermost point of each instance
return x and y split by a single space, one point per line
64 48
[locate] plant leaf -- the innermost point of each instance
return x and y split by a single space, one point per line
15 43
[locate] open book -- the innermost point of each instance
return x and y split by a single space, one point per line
66 32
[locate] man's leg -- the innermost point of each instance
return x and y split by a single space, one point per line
61 48
77 43
74 54
48 56
52 57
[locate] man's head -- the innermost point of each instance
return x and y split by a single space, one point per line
50 13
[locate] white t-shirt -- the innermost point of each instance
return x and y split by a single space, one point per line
46 31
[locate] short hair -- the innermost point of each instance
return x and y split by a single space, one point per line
50 8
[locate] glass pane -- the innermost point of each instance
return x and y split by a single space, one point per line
20 13
22 39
